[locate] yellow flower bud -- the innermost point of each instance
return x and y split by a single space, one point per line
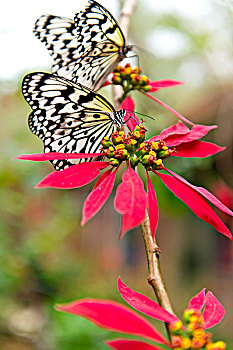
220 345
120 146
186 343
137 134
155 145
152 153
121 133
133 142
199 333
128 70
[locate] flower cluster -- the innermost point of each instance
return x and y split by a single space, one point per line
130 78
133 148
119 318
191 334
131 200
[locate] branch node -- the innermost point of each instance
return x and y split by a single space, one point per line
150 280
157 251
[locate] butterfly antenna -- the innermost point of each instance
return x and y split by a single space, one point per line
145 115
145 51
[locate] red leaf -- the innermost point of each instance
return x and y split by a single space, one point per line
131 201
74 176
41 157
199 149
196 133
153 209
213 312
215 201
158 84
97 198
143 304
113 316
125 344
198 301
191 197
175 130
130 118
102 178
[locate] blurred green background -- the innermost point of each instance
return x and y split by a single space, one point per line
47 258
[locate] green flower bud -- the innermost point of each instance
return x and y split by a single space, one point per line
114 162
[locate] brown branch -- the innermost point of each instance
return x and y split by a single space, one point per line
155 278
152 249
125 16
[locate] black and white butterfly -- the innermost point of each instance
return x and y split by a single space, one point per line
68 117
87 49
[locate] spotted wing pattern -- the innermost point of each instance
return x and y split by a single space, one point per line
101 45
58 35
68 117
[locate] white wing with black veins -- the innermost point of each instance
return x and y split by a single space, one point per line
58 35
68 117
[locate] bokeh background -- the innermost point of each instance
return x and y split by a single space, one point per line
45 256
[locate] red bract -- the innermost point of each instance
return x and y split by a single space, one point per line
132 120
213 310
118 318
131 199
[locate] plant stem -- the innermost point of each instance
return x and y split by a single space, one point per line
152 249
155 277
126 13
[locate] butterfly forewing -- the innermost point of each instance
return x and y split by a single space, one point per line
68 117
102 45
58 35
85 50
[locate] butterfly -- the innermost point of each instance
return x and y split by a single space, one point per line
84 50
67 116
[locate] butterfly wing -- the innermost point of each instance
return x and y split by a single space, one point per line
101 45
68 117
58 35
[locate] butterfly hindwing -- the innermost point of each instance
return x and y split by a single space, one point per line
68 117
58 35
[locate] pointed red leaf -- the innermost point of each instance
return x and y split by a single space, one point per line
97 198
196 133
175 130
169 108
143 304
74 176
213 312
194 201
102 178
159 84
41 157
130 118
125 344
153 209
113 316
198 301
199 149
131 201
205 193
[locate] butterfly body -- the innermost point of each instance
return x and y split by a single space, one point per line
87 49
68 117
